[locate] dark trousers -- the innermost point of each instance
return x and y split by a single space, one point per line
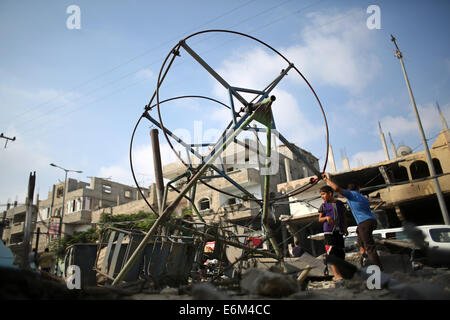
365 240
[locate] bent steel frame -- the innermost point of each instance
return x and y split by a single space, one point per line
260 111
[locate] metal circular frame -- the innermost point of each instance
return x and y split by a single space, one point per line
160 80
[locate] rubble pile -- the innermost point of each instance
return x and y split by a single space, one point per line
428 283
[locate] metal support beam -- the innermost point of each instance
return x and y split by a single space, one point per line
222 173
158 168
213 73
167 211
266 199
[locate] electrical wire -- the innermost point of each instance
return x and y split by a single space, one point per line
120 89
35 107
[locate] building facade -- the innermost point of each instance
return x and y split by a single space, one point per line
244 164
81 200
399 189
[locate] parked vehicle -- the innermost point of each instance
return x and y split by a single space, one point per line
6 257
437 236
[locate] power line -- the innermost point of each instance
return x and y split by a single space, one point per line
132 59
178 80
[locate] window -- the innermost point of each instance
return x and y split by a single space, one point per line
106 188
70 206
204 204
400 174
231 201
440 235
419 169
59 192
87 203
43 214
79 205
127 194
437 166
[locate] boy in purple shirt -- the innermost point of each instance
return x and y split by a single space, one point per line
332 215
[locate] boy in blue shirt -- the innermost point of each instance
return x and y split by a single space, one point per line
360 207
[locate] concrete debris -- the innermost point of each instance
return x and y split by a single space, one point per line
268 284
424 290
295 265
169 291
207 291
321 285
17 284
301 278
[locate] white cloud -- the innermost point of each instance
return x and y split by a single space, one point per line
145 74
245 71
31 112
338 54
405 125
142 166
366 158
17 161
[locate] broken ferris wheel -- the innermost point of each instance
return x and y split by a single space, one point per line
255 115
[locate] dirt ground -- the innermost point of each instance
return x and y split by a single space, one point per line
428 283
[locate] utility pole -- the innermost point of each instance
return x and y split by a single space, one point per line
64 194
28 223
7 138
439 194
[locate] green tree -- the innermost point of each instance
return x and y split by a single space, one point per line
59 246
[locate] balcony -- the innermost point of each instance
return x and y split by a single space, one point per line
394 195
17 227
83 216
244 177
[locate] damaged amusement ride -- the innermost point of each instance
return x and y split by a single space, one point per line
160 255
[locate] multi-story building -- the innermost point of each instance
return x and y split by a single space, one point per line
81 199
14 229
243 164
399 189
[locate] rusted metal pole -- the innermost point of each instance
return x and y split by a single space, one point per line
266 199
28 222
158 168
167 211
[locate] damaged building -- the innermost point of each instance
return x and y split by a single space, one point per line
82 201
240 162
399 189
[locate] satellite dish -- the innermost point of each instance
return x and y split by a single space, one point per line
404 150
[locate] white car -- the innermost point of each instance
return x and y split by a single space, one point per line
437 236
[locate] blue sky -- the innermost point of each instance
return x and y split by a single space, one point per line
72 97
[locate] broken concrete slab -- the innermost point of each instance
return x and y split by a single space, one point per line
207 291
295 265
268 284
425 290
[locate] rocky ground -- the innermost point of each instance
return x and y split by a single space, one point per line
428 283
